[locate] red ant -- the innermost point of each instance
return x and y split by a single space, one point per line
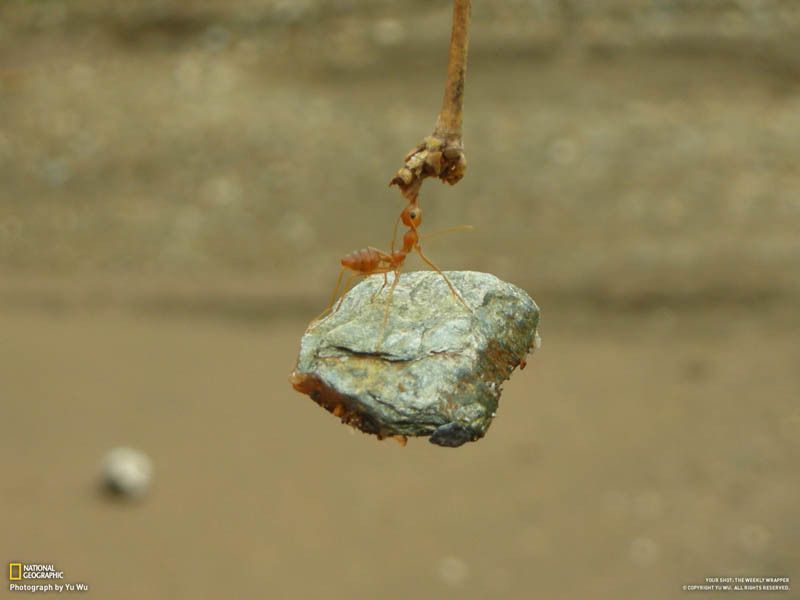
371 261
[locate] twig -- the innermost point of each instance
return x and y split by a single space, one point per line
442 153
448 125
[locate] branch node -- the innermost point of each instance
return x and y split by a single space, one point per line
442 153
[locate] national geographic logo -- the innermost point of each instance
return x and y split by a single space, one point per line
20 571
39 577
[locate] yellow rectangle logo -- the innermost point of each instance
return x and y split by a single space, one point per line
14 571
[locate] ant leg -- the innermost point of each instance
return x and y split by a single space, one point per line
388 305
431 234
440 272
385 260
380 289
394 233
334 295
346 289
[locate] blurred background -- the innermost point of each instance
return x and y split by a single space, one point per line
179 181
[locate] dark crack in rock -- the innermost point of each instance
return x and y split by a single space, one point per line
435 369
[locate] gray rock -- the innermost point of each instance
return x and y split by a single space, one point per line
435 369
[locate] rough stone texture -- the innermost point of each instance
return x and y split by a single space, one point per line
436 368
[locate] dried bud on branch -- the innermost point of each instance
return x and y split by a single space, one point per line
442 153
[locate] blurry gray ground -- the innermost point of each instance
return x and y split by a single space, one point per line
633 166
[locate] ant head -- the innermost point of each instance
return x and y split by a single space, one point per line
412 216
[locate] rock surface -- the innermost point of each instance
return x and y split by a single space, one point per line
435 369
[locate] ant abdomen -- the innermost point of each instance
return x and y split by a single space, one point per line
362 261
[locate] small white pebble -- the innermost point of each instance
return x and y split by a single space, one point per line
453 571
127 472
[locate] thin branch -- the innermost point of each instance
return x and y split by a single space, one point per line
442 153
449 122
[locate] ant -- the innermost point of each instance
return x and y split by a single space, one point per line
440 154
371 261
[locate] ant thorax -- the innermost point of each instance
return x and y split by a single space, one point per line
410 240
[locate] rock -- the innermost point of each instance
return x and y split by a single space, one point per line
435 369
127 472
